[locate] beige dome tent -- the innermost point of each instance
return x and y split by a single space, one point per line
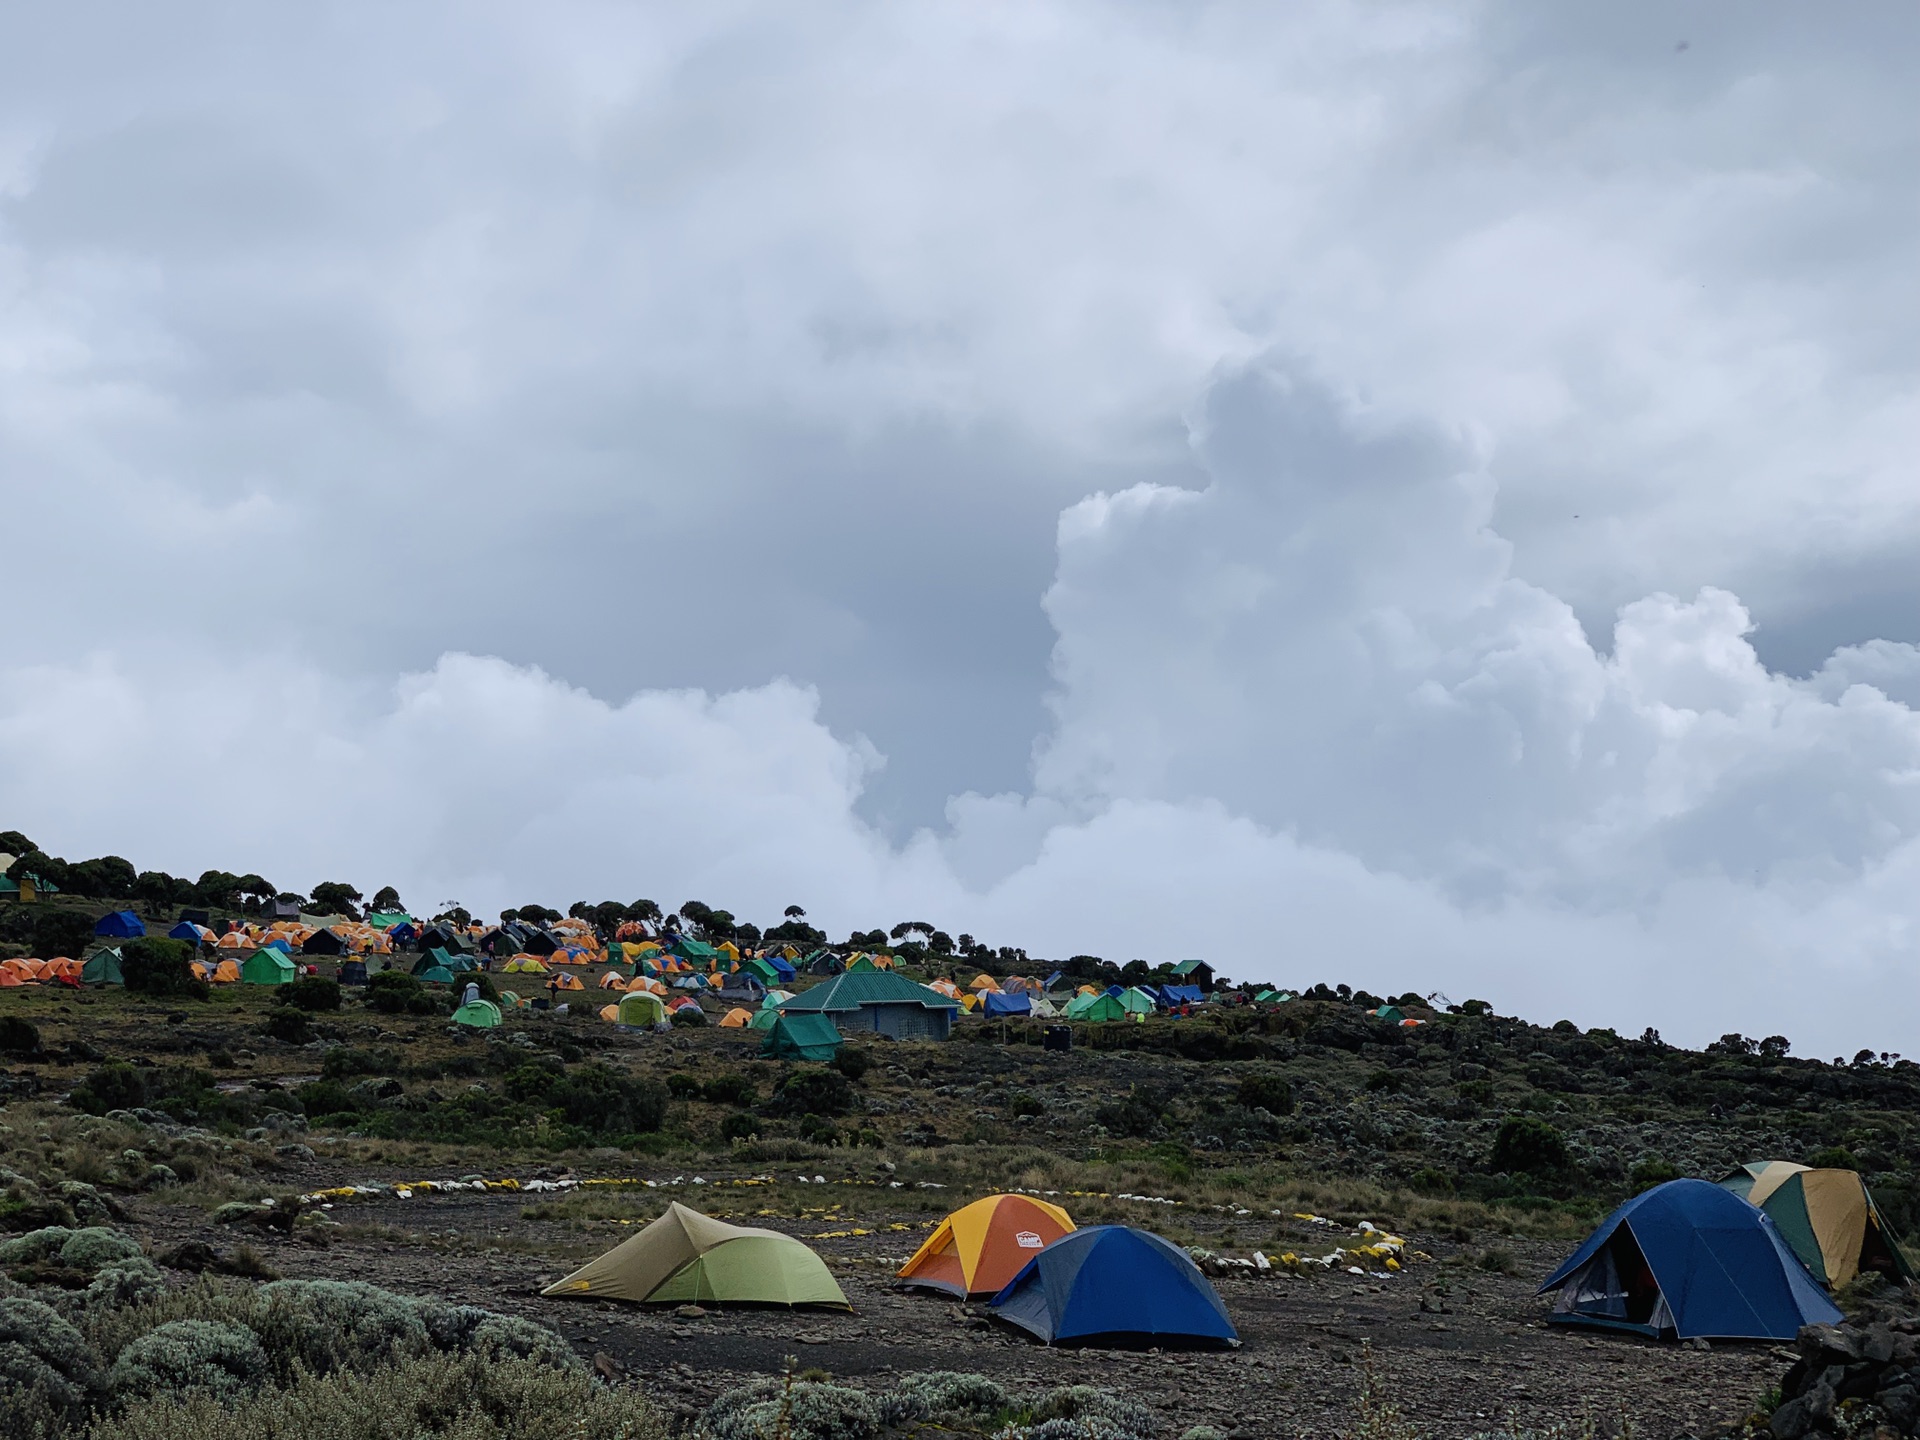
1827 1216
685 1257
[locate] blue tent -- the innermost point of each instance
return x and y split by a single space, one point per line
1116 1285
1116 991
1016 1003
1688 1259
185 931
783 968
285 947
120 925
1184 994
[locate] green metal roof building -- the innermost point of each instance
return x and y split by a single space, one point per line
881 1002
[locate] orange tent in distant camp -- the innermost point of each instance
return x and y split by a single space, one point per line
227 974
9 977
610 1013
737 1018
980 1247
612 981
984 983
235 940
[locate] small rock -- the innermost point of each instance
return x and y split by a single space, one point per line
690 1312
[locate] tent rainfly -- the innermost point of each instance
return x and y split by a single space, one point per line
1115 1286
120 925
977 1249
1688 1259
1827 1216
102 968
686 1258
266 967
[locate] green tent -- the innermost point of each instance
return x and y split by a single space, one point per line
763 1020
434 958
1137 1002
686 1258
861 962
697 950
481 1014
1390 1012
434 975
266 967
102 968
1276 997
387 919
761 968
802 1037
641 1008
1096 1008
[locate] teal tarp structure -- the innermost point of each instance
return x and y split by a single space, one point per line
802 1037
1096 1007
102 968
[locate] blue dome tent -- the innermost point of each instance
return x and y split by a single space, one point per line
1018 1003
1688 1259
120 925
1117 1286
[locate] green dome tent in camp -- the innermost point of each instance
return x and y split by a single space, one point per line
686 1258
481 1014
802 1037
764 1020
434 975
1137 1002
1827 1217
102 968
640 1009
266 967
1096 1008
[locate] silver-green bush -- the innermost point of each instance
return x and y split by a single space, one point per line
42 1356
815 1411
125 1282
95 1246
36 1247
328 1325
433 1397
948 1392
221 1360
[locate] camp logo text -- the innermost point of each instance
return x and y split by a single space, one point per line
1029 1241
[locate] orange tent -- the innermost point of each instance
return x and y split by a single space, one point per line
62 969
201 969
983 984
234 940
980 1247
567 982
612 980
9 978
737 1018
610 1013
228 973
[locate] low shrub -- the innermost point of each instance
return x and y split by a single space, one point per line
1099 1413
812 1092
309 992
46 1366
729 1090
426 1398
688 1015
1649 1173
954 1392
346 1061
154 966
125 1282
113 1086
1527 1144
329 1325
219 1359
1266 1092
739 1126
394 992
684 1087
1136 1114
852 1063
290 1026
812 1410
17 1036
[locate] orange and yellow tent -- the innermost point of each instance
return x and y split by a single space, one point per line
980 1247
983 985
567 982
736 1018
610 1013
235 940
228 973
612 980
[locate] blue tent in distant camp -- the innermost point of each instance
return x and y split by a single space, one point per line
1115 1285
782 967
1016 1003
1685 1260
187 931
120 925
285 947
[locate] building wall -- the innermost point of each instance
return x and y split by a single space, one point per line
902 1022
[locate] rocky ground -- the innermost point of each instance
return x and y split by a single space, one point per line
1456 1350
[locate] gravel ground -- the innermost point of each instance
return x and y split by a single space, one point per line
1456 1356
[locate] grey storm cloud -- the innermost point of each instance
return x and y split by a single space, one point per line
1427 485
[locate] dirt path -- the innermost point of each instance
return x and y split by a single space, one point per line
1490 1359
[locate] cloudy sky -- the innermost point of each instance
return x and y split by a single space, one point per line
1419 495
